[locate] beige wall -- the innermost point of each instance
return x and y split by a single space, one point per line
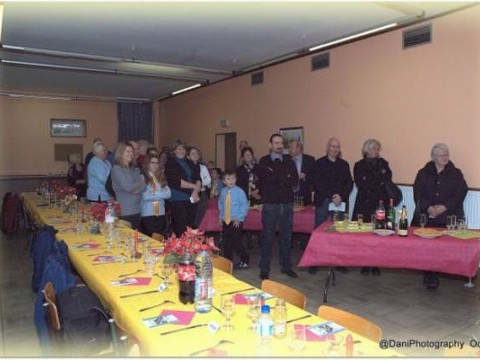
25 142
408 99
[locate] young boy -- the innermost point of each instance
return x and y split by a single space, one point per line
233 208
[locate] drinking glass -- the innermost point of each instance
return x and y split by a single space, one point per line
167 270
254 307
449 222
228 309
423 220
296 335
360 220
150 260
461 224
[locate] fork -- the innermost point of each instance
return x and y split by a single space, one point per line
132 273
157 305
221 342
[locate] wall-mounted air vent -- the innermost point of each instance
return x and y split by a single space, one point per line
417 36
321 61
257 78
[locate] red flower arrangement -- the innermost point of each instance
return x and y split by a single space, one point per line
60 189
190 242
98 210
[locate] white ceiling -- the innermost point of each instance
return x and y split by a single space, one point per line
174 45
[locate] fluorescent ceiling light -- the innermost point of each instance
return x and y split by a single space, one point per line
43 97
186 89
351 37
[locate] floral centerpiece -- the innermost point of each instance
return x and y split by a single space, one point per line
189 244
181 251
98 210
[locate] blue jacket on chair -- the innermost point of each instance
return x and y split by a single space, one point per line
42 247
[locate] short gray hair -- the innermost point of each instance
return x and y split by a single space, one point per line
97 147
439 147
368 144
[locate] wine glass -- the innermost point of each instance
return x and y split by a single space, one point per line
254 306
461 224
228 310
423 220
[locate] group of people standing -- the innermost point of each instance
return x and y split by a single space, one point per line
141 178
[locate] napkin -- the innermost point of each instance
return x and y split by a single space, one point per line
242 299
310 336
325 328
132 281
166 317
106 258
156 251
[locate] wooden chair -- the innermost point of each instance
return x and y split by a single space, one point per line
53 319
157 236
124 344
221 263
351 321
290 295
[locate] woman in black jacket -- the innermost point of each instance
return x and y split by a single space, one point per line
439 190
370 175
247 176
184 180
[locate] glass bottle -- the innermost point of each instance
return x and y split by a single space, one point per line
280 319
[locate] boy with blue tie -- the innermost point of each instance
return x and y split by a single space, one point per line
233 209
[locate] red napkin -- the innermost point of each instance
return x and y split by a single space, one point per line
86 246
132 281
313 337
105 258
184 317
156 251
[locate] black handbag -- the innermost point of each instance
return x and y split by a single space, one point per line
393 192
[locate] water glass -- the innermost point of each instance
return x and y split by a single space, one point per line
461 224
296 335
149 260
167 270
360 220
254 307
228 309
423 220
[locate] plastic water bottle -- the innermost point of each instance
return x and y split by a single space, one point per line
109 224
203 281
280 319
265 325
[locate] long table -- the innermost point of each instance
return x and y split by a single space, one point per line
244 342
446 254
303 219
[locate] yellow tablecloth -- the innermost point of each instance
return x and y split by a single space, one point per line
126 310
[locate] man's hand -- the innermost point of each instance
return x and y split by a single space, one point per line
236 224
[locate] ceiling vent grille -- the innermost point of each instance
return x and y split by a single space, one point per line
417 36
321 61
257 78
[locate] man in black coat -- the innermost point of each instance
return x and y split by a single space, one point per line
304 164
277 177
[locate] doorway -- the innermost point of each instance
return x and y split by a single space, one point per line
226 151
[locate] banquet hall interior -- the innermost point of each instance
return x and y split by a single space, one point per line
214 73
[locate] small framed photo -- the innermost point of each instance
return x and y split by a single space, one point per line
292 133
68 128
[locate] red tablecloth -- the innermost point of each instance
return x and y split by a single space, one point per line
443 254
303 220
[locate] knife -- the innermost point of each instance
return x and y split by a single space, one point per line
299 318
182 329
237 291
142 293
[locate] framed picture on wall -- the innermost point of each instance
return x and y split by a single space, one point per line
292 133
68 128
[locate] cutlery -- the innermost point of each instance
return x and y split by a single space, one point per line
157 305
183 329
132 273
141 293
299 318
221 342
100 254
238 291
107 263
218 309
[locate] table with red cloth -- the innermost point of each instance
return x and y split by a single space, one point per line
303 219
446 254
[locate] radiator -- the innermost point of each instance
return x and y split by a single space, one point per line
471 205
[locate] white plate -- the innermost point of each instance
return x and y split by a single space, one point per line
384 232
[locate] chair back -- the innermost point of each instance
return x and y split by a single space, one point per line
124 344
157 236
221 263
351 321
52 311
290 295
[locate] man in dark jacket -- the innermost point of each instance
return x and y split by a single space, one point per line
439 190
277 176
304 164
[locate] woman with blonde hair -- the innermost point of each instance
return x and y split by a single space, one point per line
128 184
153 198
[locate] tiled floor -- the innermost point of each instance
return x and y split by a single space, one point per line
397 301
